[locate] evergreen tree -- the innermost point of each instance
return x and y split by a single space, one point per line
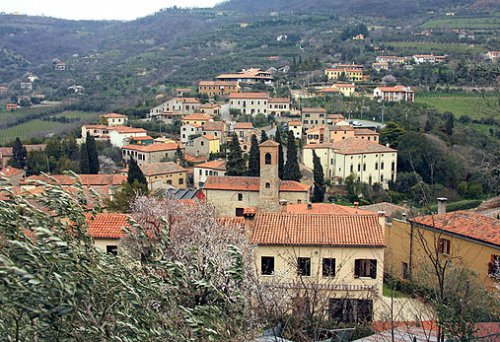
235 163
263 136
254 158
84 159
281 161
92 154
449 123
135 173
70 147
319 180
19 155
292 169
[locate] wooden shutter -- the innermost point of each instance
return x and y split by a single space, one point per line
373 269
357 264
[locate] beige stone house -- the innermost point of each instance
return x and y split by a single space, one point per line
278 106
212 168
250 103
107 229
190 130
312 117
218 88
164 175
218 129
368 161
183 105
211 109
154 153
113 119
397 93
332 261
203 145
243 129
232 196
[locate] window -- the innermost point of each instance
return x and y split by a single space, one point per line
111 249
352 168
239 212
268 185
169 182
393 166
364 166
494 267
328 267
376 166
201 172
267 265
351 310
267 158
181 181
240 197
405 271
365 268
381 165
444 246
202 143
304 267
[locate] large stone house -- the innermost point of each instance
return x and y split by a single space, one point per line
249 76
232 196
333 261
369 162
312 117
218 88
279 106
183 105
203 145
203 171
154 153
113 119
397 93
164 175
250 103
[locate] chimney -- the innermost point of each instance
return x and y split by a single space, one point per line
309 206
404 216
356 204
381 219
249 225
442 202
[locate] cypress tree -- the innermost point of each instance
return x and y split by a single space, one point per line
180 155
235 163
281 161
254 158
263 136
92 153
292 169
84 159
319 180
135 174
19 155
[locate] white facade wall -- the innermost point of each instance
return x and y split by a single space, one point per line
120 139
200 175
251 106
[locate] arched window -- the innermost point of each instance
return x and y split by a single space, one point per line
267 158
268 185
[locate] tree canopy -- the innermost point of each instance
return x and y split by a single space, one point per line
254 158
292 169
235 165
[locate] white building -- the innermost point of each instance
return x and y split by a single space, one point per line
370 162
397 93
279 106
114 119
419 59
189 130
183 105
250 103
203 171
296 128
117 135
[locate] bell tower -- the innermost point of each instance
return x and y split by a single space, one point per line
269 180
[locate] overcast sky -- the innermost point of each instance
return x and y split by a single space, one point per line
96 9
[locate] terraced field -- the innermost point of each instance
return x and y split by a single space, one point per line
473 105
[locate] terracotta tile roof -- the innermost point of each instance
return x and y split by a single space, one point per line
7 151
152 147
243 125
125 129
218 83
344 85
210 137
330 90
153 169
95 126
354 146
214 165
313 110
325 208
214 126
249 184
317 230
294 123
364 131
316 129
465 223
342 128
257 96
85 179
114 116
196 117
279 100
231 222
250 211
196 125
9 172
107 225
147 137
187 99
194 159
335 116
397 89
269 143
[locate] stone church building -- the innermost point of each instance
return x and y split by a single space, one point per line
236 196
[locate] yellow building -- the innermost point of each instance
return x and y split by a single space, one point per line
354 75
333 260
465 238
218 88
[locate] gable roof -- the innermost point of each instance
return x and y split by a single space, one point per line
243 125
249 184
214 165
187 99
279 100
107 225
197 116
125 129
325 208
269 143
152 147
254 95
85 179
214 126
353 146
464 223
313 110
9 172
317 230
397 89
114 116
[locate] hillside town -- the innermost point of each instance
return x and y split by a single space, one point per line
243 208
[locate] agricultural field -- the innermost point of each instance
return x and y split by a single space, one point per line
489 23
30 129
77 115
438 48
472 105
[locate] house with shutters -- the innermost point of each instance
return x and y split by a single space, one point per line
203 171
250 103
468 239
327 256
